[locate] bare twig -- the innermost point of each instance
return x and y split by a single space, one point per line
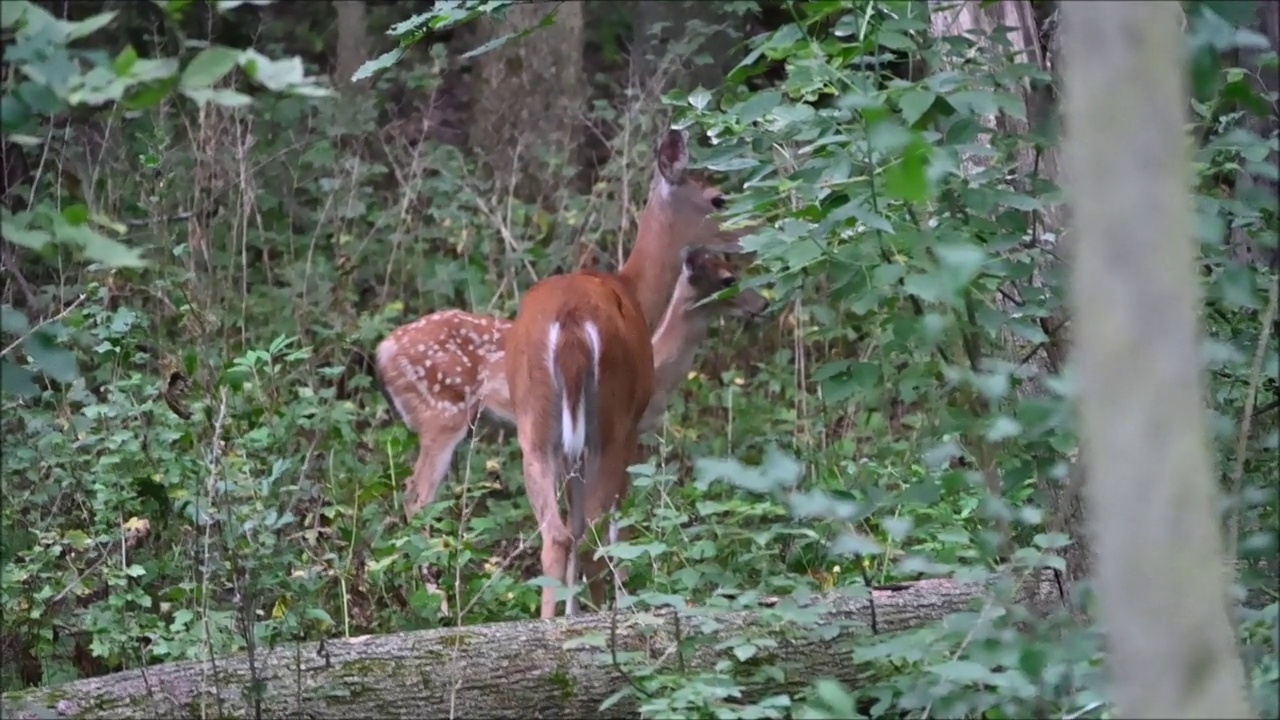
42 323
1242 442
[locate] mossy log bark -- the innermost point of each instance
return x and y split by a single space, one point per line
515 669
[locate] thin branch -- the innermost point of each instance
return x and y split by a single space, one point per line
42 323
1242 442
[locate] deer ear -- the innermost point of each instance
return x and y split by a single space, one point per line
673 156
690 256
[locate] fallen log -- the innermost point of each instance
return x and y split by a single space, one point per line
517 669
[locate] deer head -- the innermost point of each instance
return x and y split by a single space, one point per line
679 214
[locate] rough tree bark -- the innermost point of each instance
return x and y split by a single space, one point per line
1158 568
528 115
353 41
516 670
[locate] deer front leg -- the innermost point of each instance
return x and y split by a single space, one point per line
605 496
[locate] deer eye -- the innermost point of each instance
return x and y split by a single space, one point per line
718 202
728 281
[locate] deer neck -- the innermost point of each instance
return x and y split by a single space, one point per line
675 342
653 266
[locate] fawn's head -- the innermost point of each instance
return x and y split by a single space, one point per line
707 272
684 206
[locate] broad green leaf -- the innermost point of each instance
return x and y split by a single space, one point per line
732 164
26 237
757 105
895 40
125 61
974 102
99 86
227 5
13 321
914 104
88 26
962 261
12 12
962 671
855 545
378 64
14 379
147 69
1003 428
281 74
76 213
906 179
218 96
792 113
54 361
699 98
208 67
15 115
107 251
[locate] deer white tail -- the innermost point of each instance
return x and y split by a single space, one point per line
573 357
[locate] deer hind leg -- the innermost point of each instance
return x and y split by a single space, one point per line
543 468
436 445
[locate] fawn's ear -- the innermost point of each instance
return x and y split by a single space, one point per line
691 257
672 156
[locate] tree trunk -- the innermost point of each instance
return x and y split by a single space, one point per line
1026 23
353 41
682 44
528 115
502 670
1135 299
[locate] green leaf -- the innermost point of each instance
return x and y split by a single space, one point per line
834 700
757 106
731 164
486 47
796 113
378 64
76 214
962 671
855 544
906 179
105 250
13 321
16 380
208 67
974 102
961 261
26 237
226 5
218 96
147 69
54 361
895 40
699 98
282 74
125 61
11 13
88 26
915 103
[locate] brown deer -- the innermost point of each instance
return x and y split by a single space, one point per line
440 371
580 373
